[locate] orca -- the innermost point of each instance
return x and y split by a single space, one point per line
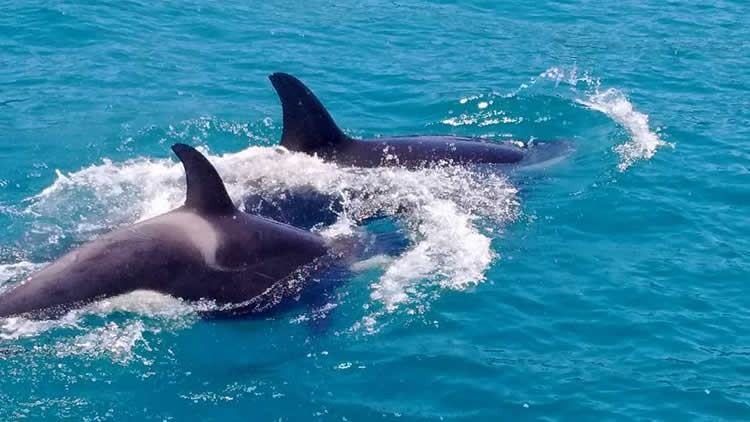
204 250
309 128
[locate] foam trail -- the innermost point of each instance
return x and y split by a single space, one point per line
643 142
176 313
18 269
116 341
121 342
14 328
135 187
451 251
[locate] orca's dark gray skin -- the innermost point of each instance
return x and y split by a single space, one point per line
304 206
205 249
309 128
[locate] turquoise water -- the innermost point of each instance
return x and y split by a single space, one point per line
610 286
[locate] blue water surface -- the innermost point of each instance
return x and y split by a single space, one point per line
610 286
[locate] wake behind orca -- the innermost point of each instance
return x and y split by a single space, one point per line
309 128
205 249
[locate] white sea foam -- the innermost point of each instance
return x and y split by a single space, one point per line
440 210
120 342
643 141
452 252
13 271
377 261
144 302
174 312
485 116
113 340
18 327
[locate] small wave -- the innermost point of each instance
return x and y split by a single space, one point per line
14 328
115 341
14 271
643 142
614 103
115 191
452 251
143 303
121 342
586 90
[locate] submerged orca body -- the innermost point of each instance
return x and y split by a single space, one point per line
205 249
309 128
303 206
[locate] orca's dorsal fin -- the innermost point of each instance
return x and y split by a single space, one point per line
206 193
308 127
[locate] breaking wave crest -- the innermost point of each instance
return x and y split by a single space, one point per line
12 272
643 141
93 336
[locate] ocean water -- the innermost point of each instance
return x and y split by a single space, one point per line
610 286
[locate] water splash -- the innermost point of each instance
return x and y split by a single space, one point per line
15 328
643 141
452 253
95 337
115 341
440 208
11 272
165 310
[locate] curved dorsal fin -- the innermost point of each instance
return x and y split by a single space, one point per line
205 190
307 124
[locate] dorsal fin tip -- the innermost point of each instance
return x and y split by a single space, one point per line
308 127
205 189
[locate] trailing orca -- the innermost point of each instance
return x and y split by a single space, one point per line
205 249
309 128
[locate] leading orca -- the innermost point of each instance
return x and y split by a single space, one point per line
309 128
205 249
